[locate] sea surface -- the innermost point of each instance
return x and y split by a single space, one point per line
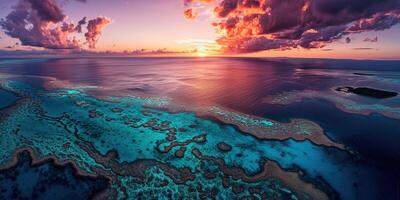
157 116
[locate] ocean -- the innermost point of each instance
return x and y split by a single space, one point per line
208 115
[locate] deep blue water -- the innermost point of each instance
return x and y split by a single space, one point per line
242 85
46 181
7 98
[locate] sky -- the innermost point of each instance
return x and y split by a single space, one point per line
357 29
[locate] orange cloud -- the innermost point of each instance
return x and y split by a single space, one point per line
256 25
190 14
198 1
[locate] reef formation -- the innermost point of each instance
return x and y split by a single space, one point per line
344 104
138 151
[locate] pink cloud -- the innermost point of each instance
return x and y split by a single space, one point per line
95 27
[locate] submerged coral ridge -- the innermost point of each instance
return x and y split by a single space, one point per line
261 128
298 129
341 102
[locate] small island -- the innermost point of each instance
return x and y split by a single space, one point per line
370 92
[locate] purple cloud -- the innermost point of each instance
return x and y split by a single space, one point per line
375 39
42 23
80 24
348 40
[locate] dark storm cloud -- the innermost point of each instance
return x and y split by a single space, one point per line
304 23
42 23
46 10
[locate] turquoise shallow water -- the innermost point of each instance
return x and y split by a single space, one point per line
150 152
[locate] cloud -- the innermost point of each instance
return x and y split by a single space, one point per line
187 2
81 22
42 23
162 51
12 46
348 40
32 23
190 14
95 27
46 10
202 46
82 52
375 39
363 48
256 25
